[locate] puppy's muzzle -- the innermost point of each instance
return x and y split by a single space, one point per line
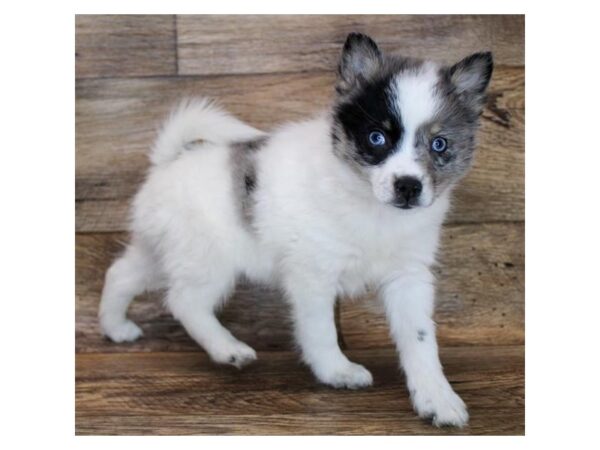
408 191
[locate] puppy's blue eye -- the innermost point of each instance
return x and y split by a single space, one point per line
377 139
439 144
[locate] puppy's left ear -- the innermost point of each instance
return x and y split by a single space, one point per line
471 77
360 60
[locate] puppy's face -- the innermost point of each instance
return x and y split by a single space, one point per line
405 125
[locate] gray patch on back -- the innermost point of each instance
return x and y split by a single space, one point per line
243 170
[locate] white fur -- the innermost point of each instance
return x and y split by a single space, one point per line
416 99
317 231
193 119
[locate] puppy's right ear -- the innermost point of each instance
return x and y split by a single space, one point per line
361 58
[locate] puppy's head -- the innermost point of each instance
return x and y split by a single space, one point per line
407 125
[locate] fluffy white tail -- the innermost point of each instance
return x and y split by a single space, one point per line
198 119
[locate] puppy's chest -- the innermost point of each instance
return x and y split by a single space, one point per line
371 258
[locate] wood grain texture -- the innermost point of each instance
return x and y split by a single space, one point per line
124 45
209 45
480 299
184 393
116 122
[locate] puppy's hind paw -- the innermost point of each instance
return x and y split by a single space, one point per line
125 331
236 354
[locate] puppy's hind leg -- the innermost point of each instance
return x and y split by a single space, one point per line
128 276
193 303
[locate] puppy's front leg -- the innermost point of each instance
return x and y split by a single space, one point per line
313 313
409 304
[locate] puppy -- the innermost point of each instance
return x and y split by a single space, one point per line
351 199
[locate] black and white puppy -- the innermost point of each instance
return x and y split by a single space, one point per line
351 199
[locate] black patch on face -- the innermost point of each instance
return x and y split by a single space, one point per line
368 110
367 106
421 335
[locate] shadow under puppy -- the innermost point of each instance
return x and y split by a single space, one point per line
351 199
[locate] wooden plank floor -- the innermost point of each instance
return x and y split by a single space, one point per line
184 393
268 69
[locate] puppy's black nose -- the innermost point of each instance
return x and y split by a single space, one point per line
407 190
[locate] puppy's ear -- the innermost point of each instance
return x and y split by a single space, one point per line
471 76
361 58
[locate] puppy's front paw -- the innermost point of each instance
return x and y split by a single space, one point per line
347 375
122 331
437 401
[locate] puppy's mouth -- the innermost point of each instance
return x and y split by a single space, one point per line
411 205
404 205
